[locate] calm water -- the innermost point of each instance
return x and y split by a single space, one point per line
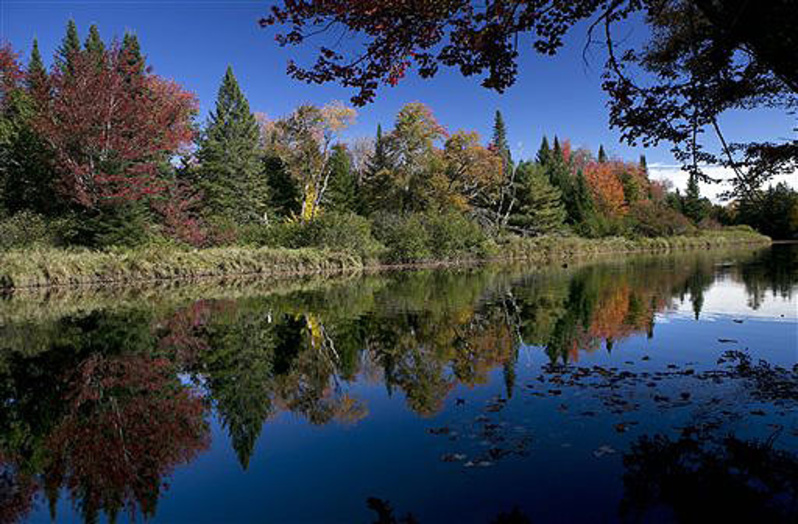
595 393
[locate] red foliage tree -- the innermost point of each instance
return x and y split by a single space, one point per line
111 124
602 177
10 71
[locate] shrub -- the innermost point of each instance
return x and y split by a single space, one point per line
405 238
430 236
651 219
334 231
25 229
453 235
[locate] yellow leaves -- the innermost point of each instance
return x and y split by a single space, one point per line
337 116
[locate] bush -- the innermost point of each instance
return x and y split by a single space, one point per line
430 236
25 229
334 231
405 238
651 219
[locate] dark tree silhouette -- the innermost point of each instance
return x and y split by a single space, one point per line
703 58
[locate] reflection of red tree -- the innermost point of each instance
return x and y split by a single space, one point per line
129 422
17 491
185 330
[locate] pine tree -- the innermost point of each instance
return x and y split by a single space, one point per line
285 196
132 52
231 169
69 48
644 164
602 156
37 74
341 194
499 141
693 204
94 44
544 153
540 208
26 174
556 150
559 175
378 187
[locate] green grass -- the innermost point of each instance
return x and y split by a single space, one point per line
48 267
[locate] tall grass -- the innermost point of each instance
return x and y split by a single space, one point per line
45 267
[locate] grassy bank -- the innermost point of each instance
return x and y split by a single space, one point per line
56 267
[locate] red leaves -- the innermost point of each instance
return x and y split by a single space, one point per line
603 179
10 72
110 126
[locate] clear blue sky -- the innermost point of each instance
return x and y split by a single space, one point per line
192 42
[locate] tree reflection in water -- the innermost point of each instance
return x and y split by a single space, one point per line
138 380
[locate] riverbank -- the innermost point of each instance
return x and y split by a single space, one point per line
37 268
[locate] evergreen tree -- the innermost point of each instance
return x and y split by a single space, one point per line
341 194
544 153
69 48
231 173
37 73
540 208
94 44
602 156
693 204
132 51
559 175
644 164
26 174
499 141
378 184
556 150
285 196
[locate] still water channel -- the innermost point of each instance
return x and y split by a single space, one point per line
649 389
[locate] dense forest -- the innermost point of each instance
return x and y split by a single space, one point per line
99 151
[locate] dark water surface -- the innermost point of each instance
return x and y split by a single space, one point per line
614 391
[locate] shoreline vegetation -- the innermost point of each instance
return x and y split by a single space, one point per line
51 267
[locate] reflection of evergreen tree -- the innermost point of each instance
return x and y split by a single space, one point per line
238 366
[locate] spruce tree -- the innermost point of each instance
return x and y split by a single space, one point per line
231 169
540 208
132 52
285 196
602 156
341 193
556 150
69 48
693 205
94 44
559 175
37 73
544 153
378 184
499 140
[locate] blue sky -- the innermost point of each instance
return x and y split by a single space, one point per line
192 42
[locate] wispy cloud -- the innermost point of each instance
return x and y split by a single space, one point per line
678 177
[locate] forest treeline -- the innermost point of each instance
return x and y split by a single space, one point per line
99 151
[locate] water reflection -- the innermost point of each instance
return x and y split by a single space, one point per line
103 398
